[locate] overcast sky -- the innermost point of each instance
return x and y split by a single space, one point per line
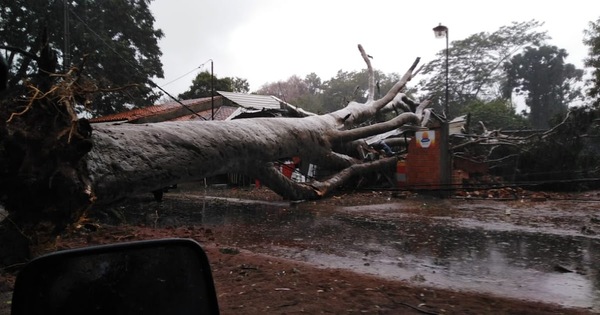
266 41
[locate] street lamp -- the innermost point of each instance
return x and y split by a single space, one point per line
441 31
445 156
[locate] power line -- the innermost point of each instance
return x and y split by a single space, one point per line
183 75
180 77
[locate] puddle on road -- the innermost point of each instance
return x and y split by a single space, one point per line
440 252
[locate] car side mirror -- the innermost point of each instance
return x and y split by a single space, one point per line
169 276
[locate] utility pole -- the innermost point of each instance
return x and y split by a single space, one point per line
66 49
212 92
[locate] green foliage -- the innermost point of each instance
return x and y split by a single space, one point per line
495 115
310 102
304 93
316 96
475 65
116 38
313 83
592 40
332 94
547 82
202 86
353 86
239 85
289 90
313 99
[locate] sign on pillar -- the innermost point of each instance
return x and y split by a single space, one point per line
425 139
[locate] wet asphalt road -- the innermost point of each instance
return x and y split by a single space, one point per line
479 246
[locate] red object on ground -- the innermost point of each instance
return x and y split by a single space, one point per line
287 169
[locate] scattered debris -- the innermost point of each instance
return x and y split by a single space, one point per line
539 197
229 251
586 230
417 278
562 269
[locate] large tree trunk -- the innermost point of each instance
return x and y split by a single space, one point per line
54 166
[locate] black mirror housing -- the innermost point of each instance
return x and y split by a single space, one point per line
168 276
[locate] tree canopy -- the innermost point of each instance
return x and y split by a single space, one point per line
305 93
352 86
311 93
495 115
204 83
546 81
291 89
114 40
475 65
592 40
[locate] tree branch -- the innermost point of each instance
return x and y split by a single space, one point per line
410 73
363 132
355 113
269 175
371 75
21 51
325 187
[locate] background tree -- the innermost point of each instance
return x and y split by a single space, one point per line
202 85
592 40
239 85
305 93
547 82
313 100
352 86
316 96
315 85
475 65
289 90
116 38
495 115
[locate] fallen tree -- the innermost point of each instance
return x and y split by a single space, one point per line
564 157
56 166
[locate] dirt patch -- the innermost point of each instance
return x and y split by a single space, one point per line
249 281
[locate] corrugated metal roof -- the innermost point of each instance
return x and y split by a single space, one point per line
252 101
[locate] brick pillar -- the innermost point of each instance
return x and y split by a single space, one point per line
423 161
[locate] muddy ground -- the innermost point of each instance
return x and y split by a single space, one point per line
267 260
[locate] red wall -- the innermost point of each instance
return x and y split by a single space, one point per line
423 164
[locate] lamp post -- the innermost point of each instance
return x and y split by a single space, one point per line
445 156
441 31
